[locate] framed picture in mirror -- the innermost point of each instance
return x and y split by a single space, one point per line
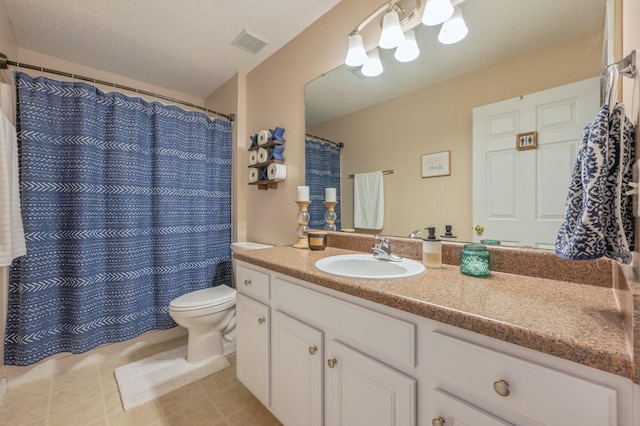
436 164
526 141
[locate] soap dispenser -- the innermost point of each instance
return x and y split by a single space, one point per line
432 250
448 233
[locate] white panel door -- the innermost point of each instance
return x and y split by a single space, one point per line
296 369
252 346
363 391
519 196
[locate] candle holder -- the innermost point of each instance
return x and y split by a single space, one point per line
330 216
303 220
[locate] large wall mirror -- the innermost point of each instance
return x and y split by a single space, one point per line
389 122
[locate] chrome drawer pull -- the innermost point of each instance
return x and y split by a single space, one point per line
502 388
247 282
261 321
332 362
313 350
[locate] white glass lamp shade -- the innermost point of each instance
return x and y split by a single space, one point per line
391 35
454 29
356 55
373 66
437 11
408 50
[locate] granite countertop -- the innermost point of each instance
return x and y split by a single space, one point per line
577 322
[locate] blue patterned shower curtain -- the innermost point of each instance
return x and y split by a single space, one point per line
126 205
322 170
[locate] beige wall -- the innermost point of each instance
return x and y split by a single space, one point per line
231 98
275 96
396 133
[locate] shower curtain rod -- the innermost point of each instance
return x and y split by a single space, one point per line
5 63
338 144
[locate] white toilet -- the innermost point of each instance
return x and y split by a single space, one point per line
209 317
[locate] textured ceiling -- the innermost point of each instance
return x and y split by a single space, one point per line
498 30
183 45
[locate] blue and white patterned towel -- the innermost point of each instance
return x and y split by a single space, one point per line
599 216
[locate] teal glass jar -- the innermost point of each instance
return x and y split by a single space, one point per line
474 260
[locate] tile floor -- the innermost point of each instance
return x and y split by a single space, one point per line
89 396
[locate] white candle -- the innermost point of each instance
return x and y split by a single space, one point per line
330 194
303 193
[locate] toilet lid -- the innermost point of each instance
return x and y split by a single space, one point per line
212 296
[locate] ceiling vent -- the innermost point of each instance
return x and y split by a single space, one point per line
250 42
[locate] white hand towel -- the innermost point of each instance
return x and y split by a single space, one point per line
368 200
12 242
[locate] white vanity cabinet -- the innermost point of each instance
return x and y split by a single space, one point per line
363 391
328 358
253 320
308 335
296 369
455 412
528 393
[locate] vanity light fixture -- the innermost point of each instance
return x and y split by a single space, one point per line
391 35
356 55
408 49
436 12
373 66
454 29
396 14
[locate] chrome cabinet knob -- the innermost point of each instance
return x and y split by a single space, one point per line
438 422
247 282
261 321
501 387
313 350
332 362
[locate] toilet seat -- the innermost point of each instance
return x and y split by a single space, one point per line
203 299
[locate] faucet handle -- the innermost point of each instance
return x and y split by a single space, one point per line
384 241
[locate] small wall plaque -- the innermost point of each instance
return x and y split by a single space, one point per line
526 141
437 164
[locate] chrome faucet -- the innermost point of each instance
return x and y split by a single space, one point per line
415 234
382 250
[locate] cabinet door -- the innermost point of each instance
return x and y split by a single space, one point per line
363 391
296 368
451 411
252 346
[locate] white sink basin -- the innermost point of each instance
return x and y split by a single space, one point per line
364 266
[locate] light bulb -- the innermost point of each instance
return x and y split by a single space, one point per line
408 50
373 66
437 11
356 55
391 35
454 29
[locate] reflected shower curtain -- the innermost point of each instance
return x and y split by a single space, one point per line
126 205
322 170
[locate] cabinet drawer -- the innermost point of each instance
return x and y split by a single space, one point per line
371 332
252 282
456 412
537 394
